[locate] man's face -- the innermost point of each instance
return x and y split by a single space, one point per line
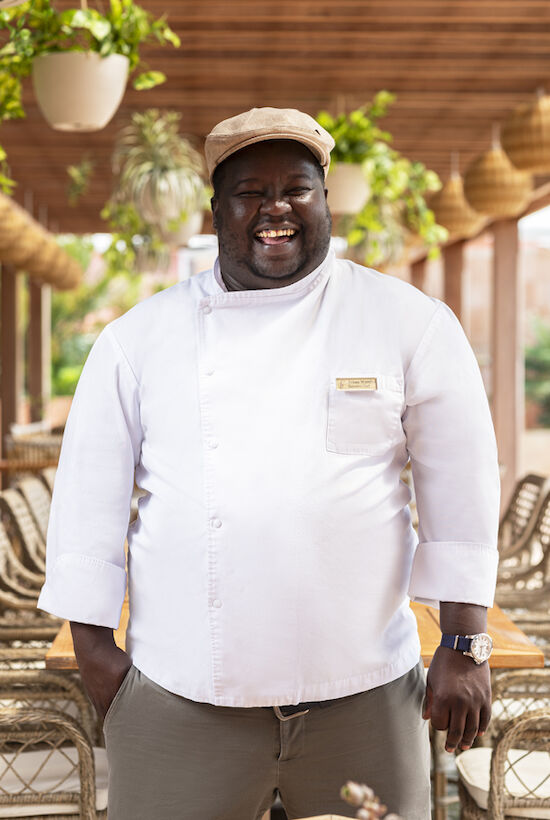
271 215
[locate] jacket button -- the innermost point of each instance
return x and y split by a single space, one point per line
206 309
216 523
217 603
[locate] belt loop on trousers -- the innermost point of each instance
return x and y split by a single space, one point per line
277 710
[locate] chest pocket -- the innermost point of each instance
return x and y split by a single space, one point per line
364 419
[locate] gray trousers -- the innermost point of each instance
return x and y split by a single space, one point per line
171 758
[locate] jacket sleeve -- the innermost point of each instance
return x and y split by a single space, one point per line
85 560
451 444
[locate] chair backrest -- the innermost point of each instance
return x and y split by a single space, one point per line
520 511
22 530
47 762
13 574
39 500
48 477
517 692
520 767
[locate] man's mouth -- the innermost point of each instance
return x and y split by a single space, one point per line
276 236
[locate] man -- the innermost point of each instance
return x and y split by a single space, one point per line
267 409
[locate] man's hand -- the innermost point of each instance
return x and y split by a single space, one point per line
103 666
458 697
458 691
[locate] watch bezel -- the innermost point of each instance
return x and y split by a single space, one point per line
475 649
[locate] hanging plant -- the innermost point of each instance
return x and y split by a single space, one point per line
396 209
101 49
161 174
353 134
79 176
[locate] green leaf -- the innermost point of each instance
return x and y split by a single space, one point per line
149 79
88 19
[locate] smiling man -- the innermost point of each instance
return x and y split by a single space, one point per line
267 408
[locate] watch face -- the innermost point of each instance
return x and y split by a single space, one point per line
481 647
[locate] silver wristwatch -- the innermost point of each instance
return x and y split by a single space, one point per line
478 647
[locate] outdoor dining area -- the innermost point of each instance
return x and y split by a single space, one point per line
442 130
51 742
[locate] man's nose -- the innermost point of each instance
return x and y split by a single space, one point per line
275 205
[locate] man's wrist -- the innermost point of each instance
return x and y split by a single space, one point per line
462 619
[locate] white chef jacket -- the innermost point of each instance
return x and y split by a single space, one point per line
273 557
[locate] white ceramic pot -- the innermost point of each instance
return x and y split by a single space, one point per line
348 190
185 231
78 90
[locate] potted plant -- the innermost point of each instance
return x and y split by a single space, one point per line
395 213
79 58
353 134
162 175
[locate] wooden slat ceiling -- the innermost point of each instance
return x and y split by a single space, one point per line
457 66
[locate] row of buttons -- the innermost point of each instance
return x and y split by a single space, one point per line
212 444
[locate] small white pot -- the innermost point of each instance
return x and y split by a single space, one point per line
348 190
185 230
79 90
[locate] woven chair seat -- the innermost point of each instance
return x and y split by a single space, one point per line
57 773
526 773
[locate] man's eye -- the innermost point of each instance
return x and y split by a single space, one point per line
299 191
249 193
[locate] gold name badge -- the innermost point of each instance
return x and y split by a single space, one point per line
369 383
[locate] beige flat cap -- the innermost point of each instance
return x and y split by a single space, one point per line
261 124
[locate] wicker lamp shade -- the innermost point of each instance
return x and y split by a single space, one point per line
453 211
26 245
494 187
526 136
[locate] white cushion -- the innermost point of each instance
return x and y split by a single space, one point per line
474 768
53 777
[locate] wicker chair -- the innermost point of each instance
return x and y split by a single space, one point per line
528 587
516 692
48 764
520 512
24 535
513 778
14 576
38 500
20 620
527 550
48 477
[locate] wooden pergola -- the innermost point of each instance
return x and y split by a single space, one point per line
457 67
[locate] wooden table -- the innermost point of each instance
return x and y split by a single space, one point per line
512 649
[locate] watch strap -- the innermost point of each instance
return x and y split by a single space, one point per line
459 642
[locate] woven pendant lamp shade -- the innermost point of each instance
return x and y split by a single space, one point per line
494 187
526 136
453 211
27 246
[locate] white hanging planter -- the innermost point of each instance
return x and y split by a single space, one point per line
79 90
348 190
185 230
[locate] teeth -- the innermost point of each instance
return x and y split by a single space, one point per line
274 234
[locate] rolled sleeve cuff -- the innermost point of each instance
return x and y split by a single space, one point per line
454 571
84 589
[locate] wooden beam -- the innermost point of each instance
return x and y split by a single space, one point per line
39 349
11 351
453 264
418 273
507 352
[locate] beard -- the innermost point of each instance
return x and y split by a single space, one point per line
244 259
